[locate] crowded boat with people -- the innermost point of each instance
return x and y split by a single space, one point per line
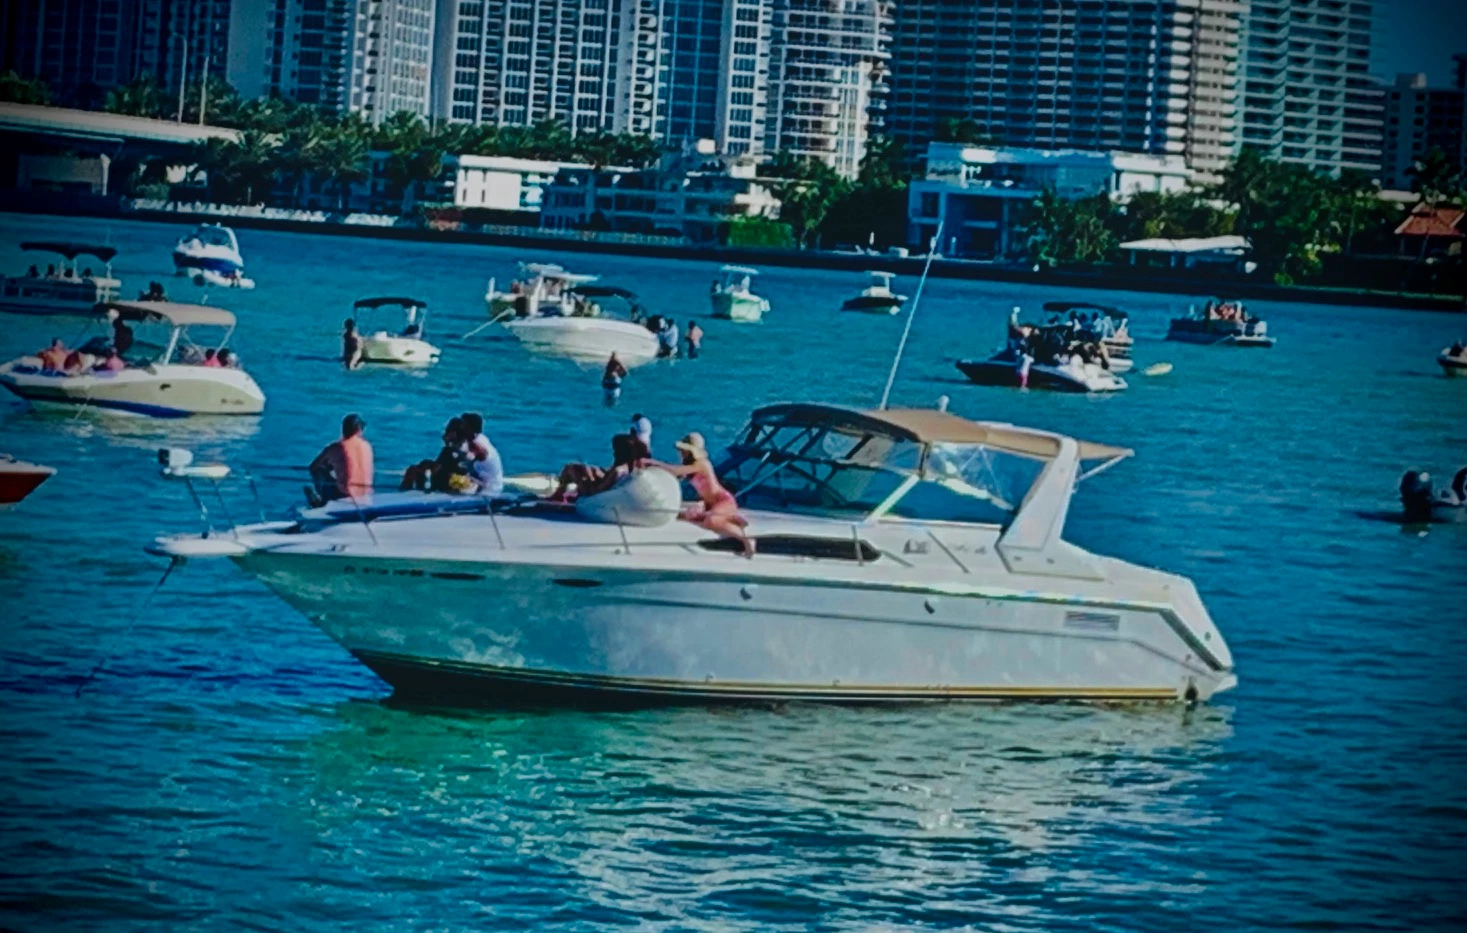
1064 355
1108 326
168 372
557 313
736 575
363 342
1221 323
66 287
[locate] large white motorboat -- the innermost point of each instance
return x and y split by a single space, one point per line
733 297
558 313
170 377
406 347
208 248
902 555
876 298
65 287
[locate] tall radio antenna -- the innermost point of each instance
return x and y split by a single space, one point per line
916 300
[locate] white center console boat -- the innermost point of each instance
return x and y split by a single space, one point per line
902 555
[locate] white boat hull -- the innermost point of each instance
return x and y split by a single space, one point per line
168 391
586 340
1453 365
398 351
741 309
514 630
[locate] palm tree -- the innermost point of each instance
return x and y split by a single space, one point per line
343 154
139 98
17 90
1243 185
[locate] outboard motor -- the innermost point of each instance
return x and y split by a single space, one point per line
1416 496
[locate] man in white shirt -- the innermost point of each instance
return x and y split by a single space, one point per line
485 466
642 429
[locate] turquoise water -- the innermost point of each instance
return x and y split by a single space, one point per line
231 767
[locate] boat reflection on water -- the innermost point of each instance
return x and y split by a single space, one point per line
988 782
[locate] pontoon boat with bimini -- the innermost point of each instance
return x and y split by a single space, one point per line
406 347
902 555
733 296
1221 323
67 287
170 376
876 298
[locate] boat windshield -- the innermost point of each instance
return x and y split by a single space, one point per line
849 474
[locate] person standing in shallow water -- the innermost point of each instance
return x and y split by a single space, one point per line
695 340
351 345
611 379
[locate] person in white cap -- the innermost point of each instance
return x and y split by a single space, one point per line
717 509
642 429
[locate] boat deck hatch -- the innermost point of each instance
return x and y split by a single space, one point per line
801 546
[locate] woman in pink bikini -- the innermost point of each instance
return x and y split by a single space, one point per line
717 509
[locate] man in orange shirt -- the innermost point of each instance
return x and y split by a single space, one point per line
343 469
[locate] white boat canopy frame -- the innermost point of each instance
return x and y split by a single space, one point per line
909 464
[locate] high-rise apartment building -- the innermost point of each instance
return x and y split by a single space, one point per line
1153 76
827 74
1418 119
715 72
594 65
392 58
1308 97
373 57
84 48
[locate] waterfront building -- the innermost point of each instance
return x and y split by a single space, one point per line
1308 97
977 194
499 182
1419 118
391 61
692 194
1149 76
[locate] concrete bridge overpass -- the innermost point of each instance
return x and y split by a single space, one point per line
58 149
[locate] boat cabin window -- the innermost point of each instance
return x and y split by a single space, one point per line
848 474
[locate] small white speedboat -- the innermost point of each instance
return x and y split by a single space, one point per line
67 287
406 347
209 248
167 378
734 300
876 298
19 479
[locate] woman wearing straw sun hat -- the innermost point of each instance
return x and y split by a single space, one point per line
716 510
